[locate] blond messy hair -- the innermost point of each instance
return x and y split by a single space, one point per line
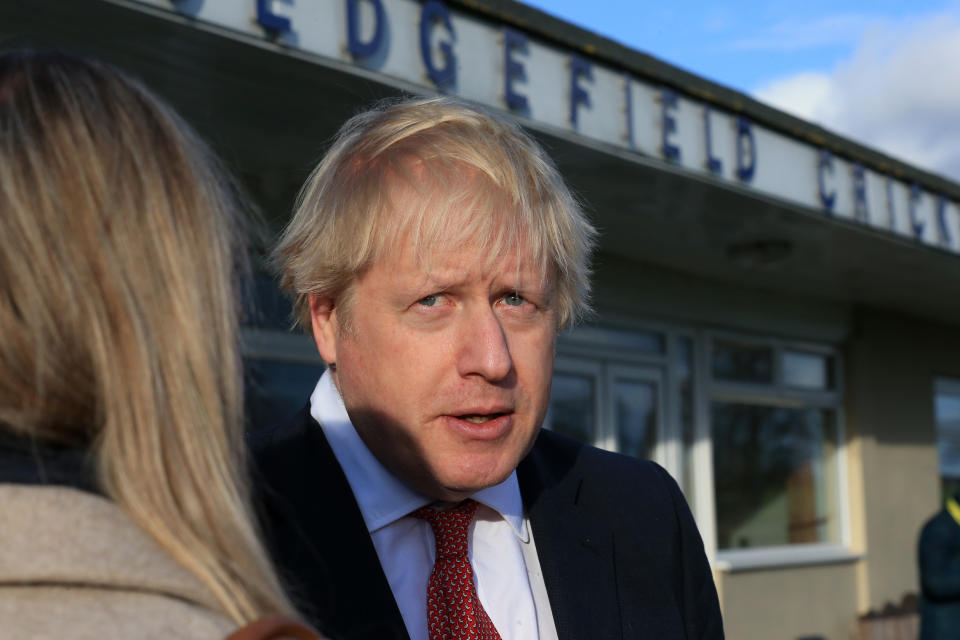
458 159
119 310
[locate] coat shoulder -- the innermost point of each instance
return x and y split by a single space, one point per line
73 564
663 580
282 438
79 611
280 455
940 525
609 479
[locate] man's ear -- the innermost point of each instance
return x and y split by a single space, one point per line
323 319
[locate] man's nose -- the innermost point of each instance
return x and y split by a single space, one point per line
484 349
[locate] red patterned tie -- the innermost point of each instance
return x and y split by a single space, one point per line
454 611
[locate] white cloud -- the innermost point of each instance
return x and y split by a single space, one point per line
801 95
898 92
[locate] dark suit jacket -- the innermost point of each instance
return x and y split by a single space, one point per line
939 561
618 548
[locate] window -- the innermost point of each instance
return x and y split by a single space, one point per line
681 367
572 411
636 408
804 370
627 390
613 405
946 409
775 475
775 424
742 362
280 368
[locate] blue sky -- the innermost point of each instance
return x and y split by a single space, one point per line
741 44
885 72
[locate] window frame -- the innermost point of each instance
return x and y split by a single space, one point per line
268 344
776 393
604 374
588 345
578 366
663 448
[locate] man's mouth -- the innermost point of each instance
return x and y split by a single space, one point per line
477 418
482 423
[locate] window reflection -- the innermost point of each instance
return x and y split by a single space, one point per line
636 417
946 406
268 308
572 402
684 380
741 362
775 475
807 370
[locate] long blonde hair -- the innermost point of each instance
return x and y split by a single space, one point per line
121 240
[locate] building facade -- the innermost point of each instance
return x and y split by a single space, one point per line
777 307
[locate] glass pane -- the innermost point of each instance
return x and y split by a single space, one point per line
635 404
650 342
276 390
269 308
572 402
742 362
807 370
684 377
947 415
775 475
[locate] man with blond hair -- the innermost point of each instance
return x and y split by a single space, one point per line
434 254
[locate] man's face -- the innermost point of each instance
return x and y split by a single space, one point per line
445 372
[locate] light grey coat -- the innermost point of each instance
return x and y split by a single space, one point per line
73 565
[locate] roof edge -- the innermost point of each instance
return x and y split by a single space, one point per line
570 36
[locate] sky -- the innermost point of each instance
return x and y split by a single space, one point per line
883 72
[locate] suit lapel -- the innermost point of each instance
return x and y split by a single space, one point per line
576 550
322 544
320 539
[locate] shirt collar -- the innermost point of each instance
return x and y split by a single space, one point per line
382 497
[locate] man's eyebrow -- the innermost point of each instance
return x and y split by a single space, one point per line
443 282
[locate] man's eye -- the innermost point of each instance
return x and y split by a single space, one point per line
430 301
514 299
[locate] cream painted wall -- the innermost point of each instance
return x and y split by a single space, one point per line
786 604
625 289
891 364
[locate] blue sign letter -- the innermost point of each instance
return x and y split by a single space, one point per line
668 125
357 47
825 164
915 223
514 70
435 11
945 239
714 165
746 150
578 67
270 20
860 210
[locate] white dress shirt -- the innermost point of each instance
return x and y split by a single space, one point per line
506 570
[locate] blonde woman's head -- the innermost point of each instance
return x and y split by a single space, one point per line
121 240
117 227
